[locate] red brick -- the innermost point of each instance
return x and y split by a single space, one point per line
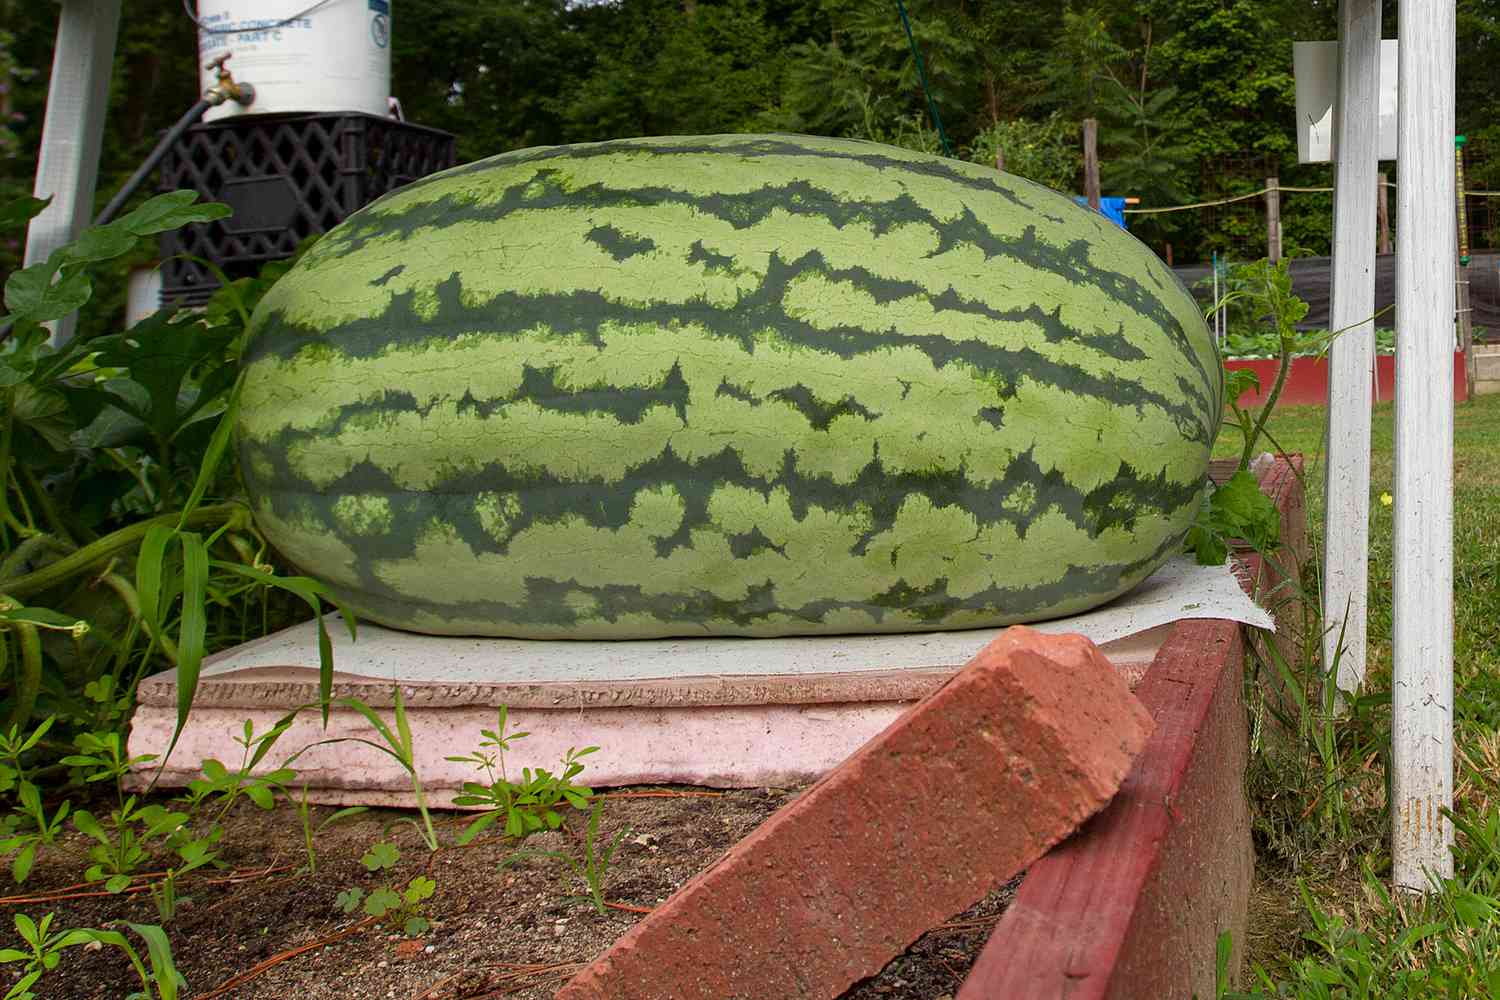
1132 905
967 788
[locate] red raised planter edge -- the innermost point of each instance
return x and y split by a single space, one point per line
1308 382
1132 905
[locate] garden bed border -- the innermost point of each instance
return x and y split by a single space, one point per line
1307 384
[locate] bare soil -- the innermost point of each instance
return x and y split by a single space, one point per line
520 932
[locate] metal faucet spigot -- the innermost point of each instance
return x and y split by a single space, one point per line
227 88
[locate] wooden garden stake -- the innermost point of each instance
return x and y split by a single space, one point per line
1346 535
1461 287
1422 571
1383 216
1091 162
1273 219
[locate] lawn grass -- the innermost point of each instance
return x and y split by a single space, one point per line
1322 924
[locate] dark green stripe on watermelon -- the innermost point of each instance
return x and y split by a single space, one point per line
583 313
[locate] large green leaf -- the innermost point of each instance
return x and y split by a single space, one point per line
161 354
10 375
112 427
43 411
31 294
170 211
17 213
96 244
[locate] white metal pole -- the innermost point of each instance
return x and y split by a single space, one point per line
1346 518
73 129
1422 575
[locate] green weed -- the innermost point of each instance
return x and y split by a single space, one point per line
158 973
1318 777
403 907
527 806
395 743
310 832
587 862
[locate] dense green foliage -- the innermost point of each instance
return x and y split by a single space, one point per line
1195 97
112 565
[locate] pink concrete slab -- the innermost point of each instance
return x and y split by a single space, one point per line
716 746
722 731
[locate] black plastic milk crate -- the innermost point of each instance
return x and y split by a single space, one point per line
287 177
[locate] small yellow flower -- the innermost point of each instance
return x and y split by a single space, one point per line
1385 499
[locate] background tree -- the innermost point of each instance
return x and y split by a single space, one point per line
1195 97
664 67
492 74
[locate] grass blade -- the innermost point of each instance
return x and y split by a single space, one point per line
214 456
159 953
265 743
192 630
380 727
314 593
149 571
403 729
325 666
120 941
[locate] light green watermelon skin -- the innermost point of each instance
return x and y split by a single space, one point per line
726 385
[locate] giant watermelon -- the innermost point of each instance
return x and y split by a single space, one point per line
726 385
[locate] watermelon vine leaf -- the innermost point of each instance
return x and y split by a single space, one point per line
1238 509
17 213
58 286
161 353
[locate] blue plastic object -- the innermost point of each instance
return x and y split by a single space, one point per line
1112 208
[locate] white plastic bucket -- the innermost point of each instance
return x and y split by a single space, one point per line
336 57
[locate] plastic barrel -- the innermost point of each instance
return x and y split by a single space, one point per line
334 57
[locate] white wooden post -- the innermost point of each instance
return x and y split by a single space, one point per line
1422 574
73 129
1346 520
